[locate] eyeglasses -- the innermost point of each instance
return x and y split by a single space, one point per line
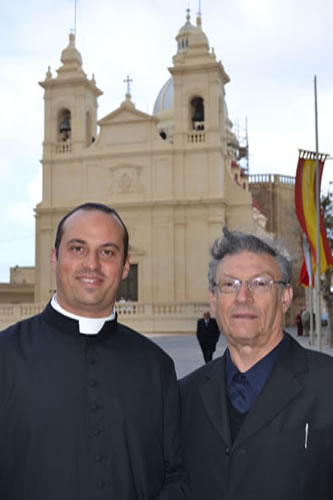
258 285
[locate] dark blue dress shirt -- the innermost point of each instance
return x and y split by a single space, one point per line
244 388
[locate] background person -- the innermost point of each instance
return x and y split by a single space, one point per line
299 323
88 407
306 322
208 335
257 422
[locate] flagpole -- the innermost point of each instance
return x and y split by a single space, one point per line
312 341
317 277
75 18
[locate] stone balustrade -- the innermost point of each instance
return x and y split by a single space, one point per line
271 179
196 137
17 312
168 317
63 148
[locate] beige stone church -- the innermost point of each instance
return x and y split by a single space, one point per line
173 176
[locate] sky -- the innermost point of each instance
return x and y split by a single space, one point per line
271 50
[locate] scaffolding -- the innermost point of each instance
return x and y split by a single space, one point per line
241 146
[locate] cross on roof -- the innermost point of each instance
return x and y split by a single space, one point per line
128 80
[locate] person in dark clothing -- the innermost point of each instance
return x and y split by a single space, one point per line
88 408
257 422
299 323
306 322
207 334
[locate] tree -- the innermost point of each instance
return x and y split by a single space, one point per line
327 212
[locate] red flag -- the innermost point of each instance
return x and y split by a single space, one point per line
306 273
305 201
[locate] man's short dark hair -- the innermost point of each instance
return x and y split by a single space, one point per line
90 206
234 242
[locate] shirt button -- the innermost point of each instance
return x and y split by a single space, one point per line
227 451
93 383
93 361
101 484
99 458
94 407
96 431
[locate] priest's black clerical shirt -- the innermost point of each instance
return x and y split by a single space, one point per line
86 417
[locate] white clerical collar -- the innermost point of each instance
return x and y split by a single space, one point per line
87 326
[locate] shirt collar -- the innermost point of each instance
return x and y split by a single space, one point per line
87 326
258 374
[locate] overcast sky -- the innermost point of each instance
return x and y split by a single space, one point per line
271 50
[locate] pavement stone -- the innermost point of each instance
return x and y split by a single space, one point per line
186 353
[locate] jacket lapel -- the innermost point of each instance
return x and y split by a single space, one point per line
282 387
213 396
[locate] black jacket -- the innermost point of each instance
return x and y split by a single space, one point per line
271 458
208 334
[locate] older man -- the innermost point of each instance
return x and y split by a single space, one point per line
257 422
88 407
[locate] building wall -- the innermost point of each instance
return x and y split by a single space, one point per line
275 195
22 275
20 288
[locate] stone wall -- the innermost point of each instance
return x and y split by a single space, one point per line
275 196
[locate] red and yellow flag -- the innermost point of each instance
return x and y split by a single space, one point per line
305 201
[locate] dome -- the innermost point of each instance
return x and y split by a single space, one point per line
184 33
70 54
164 100
188 27
71 60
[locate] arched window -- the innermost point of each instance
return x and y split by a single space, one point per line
64 125
198 113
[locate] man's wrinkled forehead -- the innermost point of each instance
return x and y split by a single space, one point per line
261 262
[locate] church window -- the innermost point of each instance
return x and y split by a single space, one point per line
198 113
64 127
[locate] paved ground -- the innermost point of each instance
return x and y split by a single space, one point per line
185 351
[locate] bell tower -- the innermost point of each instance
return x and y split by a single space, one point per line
199 82
70 130
70 124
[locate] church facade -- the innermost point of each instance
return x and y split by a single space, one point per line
172 176
168 174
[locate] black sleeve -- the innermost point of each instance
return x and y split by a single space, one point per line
176 485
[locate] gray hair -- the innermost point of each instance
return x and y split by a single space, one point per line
234 242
